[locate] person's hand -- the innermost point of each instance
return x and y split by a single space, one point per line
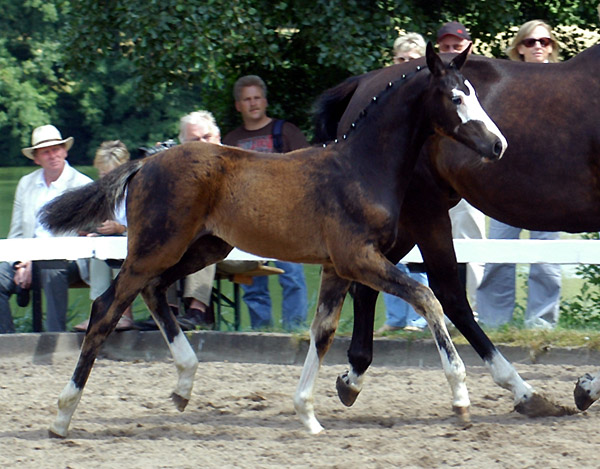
110 227
22 276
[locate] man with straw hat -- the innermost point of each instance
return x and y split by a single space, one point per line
49 150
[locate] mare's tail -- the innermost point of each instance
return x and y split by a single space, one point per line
84 208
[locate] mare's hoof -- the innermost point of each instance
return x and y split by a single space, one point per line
180 402
582 393
540 406
464 415
346 393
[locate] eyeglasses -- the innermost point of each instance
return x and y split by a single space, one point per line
544 41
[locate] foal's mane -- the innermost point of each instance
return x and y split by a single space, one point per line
332 104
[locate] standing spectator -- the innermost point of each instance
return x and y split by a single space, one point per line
49 150
408 47
453 37
400 314
109 156
260 132
533 43
467 221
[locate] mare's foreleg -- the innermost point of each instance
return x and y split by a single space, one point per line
322 330
360 354
106 311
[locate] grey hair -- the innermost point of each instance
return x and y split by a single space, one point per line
197 117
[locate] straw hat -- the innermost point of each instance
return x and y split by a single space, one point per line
46 136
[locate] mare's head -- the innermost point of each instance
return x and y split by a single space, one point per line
454 108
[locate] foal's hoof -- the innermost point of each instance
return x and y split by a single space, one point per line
346 392
53 434
180 402
463 414
582 392
540 406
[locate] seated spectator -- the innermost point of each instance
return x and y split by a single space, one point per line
49 150
197 126
109 155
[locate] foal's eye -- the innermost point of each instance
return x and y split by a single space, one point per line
456 100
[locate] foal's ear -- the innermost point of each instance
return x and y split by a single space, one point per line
434 63
460 59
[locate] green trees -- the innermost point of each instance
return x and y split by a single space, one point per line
129 70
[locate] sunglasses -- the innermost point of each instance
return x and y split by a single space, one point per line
544 41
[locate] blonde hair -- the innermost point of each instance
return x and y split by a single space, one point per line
198 117
109 155
408 42
524 31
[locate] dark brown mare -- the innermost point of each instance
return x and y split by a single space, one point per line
337 206
548 180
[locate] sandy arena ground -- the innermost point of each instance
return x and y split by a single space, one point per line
242 416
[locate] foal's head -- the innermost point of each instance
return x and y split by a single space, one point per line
455 110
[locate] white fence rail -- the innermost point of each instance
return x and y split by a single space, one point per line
467 250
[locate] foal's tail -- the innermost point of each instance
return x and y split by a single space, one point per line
86 207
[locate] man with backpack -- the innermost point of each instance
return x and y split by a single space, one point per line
259 132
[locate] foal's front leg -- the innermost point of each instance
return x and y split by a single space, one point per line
322 330
374 270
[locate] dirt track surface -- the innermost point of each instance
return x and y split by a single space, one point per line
241 415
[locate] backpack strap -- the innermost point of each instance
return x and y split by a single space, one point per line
278 136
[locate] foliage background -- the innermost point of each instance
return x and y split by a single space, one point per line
108 69
120 69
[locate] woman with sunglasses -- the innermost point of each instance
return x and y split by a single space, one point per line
496 294
534 43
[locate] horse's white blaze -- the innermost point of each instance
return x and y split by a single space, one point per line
506 376
470 109
186 363
67 403
304 399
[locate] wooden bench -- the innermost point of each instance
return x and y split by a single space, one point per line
219 299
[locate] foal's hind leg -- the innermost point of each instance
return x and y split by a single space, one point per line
322 330
106 311
204 251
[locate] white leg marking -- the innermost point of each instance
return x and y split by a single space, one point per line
355 382
454 370
186 363
506 376
591 385
304 399
67 403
